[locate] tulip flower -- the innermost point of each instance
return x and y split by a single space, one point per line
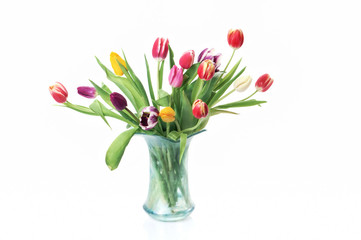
167 114
176 76
58 92
88 92
160 49
118 101
149 118
114 59
242 83
199 109
207 53
235 38
206 70
187 59
264 82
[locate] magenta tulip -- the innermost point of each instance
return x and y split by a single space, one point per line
176 77
160 49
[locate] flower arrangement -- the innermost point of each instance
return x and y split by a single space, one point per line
198 87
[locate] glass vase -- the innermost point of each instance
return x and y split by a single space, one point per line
168 194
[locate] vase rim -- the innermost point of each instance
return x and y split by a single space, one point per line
168 139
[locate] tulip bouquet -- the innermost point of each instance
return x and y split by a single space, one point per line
198 87
167 119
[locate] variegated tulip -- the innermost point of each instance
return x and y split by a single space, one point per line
235 38
187 59
199 109
58 92
167 114
160 49
206 70
242 83
149 118
264 82
114 59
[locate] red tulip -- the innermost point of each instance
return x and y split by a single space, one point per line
187 59
199 109
58 92
206 70
264 82
235 38
160 49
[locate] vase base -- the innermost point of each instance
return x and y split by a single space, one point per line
173 217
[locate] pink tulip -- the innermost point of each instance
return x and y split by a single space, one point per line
206 70
199 109
160 49
264 82
187 59
176 77
235 38
58 92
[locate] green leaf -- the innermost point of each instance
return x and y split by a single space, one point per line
126 86
189 75
187 118
208 89
174 135
78 108
150 86
96 107
161 75
183 144
138 83
197 89
223 89
241 103
171 57
105 88
228 75
102 93
214 112
117 148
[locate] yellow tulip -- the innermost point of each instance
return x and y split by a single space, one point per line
113 60
167 114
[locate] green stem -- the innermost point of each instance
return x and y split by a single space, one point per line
177 125
168 126
225 96
250 95
228 63
132 115
158 77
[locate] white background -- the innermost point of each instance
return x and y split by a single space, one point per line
287 170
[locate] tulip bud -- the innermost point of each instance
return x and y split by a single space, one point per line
58 92
235 38
199 109
264 82
167 114
242 83
88 92
206 70
206 54
114 59
160 49
149 118
187 59
118 101
176 76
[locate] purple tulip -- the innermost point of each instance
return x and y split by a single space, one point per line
209 54
118 101
205 53
176 76
149 118
88 92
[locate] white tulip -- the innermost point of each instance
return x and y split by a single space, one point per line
242 83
